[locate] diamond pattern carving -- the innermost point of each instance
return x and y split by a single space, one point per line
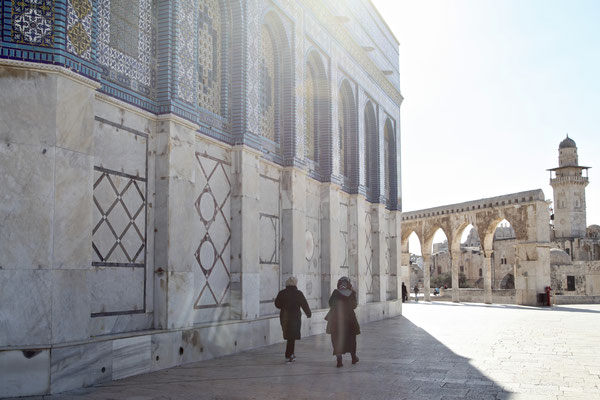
368 254
119 230
212 275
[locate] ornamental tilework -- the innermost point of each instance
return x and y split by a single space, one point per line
267 86
79 28
254 21
32 22
126 44
187 50
310 115
209 56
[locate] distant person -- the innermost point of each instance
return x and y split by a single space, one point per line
436 291
289 301
342 324
416 290
445 286
404 293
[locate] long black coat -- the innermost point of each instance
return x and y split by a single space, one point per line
342 324
289 300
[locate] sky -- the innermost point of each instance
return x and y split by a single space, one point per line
491 87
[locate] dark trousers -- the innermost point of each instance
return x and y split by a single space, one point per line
347 344
289 348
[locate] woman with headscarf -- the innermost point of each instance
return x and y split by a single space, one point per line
342 324
289 301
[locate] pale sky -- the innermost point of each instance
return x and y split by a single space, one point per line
490 88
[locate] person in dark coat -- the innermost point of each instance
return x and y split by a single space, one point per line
342 324
404 292
289 301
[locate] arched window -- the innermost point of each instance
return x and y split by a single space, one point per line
318 115
276 122
370 140
347 122
211 26
389 155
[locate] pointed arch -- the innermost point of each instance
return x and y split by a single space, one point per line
318 114
371 165
348 136
276 123
390 186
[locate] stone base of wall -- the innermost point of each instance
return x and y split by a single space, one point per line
561 299
40 371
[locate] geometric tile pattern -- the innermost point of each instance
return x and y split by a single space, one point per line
126 44
267 86
310 148
368 253
32 22
212 268
118 237
79 28
186 50
209 56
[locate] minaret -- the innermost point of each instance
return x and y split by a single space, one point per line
569 185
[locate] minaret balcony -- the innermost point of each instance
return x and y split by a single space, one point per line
569 179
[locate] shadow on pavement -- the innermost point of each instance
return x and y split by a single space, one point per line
398 360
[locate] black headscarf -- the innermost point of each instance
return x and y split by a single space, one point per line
344 285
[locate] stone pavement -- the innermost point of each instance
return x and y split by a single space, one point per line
434 351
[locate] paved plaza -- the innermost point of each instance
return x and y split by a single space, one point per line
434 351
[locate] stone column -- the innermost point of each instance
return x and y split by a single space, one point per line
426 275
245 234
455 280
175 230
293 224
356 244
487 278
330 241
378 262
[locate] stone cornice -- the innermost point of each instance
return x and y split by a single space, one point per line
343 36
50 68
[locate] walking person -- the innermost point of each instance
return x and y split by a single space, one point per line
404 293
289 301
342 324
416 290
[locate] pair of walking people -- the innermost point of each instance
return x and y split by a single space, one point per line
342 323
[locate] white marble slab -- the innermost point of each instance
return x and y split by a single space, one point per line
24 373
131 356
70 306
78 366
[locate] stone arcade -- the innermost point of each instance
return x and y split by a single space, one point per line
166 165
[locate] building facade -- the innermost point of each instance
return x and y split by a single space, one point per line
166 165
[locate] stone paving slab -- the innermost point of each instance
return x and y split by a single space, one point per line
434 351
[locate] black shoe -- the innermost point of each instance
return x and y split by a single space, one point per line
339 362
354 359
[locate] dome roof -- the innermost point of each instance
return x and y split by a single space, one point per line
568 142
559 257
593 231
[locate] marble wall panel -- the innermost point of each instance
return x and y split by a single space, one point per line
28 115
165 350
121 323
180 299
73 210
112 112
25 307
116 289
184 228
78 366
26 206
70 306
74 116
131 356
118 149
182 146
24 373
312 244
